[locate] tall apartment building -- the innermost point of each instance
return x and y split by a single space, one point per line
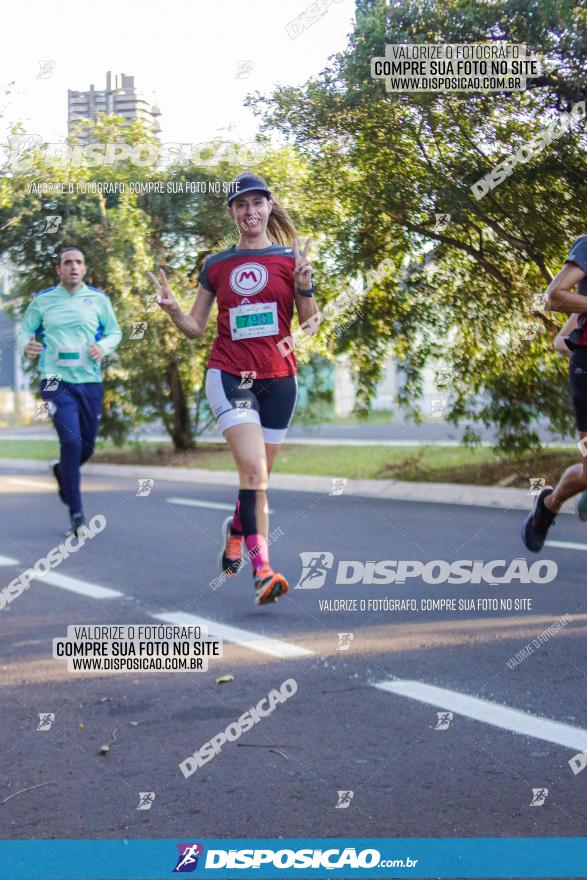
119 98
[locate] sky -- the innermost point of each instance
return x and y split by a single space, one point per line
184 55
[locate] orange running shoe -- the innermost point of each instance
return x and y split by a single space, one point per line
269 585
231 556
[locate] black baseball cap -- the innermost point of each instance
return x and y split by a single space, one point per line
246 182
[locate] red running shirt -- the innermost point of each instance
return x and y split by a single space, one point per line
255 294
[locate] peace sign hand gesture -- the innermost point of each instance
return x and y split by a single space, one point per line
302 267
165 297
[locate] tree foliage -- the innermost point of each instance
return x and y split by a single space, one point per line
383 165
156 373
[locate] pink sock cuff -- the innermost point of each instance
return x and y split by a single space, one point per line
236 519
257 551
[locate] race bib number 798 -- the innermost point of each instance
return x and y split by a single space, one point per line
253 320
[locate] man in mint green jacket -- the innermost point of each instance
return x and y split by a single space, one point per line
72 327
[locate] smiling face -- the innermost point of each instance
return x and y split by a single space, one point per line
250 212
71 268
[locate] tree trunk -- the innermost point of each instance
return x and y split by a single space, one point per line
181 432
199 428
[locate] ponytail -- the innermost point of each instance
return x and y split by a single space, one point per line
280 226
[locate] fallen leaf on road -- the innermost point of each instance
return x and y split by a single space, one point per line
279 752
106 748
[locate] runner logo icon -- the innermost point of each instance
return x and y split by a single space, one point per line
248 279
314 568
539 795
444 719
188 857
344 799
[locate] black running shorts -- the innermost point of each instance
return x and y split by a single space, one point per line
578 380
238 400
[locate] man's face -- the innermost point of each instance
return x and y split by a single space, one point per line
72 268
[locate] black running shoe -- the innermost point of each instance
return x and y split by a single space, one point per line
535 529
55 471
77 521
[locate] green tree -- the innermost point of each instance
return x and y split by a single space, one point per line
382 165
156 373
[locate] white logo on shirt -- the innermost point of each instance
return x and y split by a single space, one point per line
248 279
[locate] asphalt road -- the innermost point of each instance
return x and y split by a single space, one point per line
362 720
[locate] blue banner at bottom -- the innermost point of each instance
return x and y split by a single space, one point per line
227 859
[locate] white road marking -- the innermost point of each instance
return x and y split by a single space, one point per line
8 560
244 637
490 713
195 502
74 585
569 545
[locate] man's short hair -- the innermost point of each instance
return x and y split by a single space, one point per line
64 250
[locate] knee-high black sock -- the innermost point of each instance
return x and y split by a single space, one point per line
254 517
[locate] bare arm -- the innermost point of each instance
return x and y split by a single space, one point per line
199 315
559 295
559 340
192 324
308 313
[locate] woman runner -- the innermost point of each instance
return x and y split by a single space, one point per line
251 382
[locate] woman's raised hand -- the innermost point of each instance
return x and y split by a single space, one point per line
302 267
165 297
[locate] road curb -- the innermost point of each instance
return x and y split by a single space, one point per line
392 490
